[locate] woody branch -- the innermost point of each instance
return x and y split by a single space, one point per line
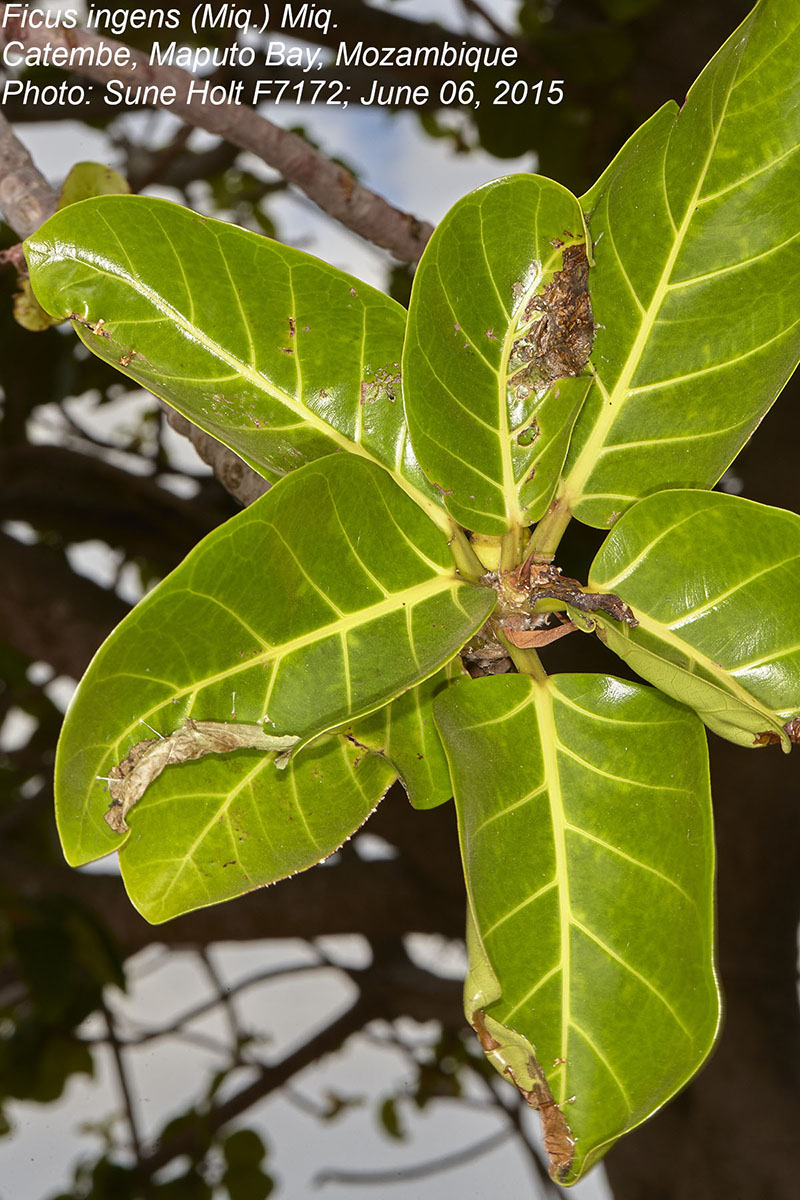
26 200
329 185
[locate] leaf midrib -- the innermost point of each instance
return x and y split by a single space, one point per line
721 679
545 715
195 333
514 510
573 484
419 592
439 585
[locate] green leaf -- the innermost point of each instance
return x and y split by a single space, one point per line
390 1119
87 179
696 287
280 356
244 1148
27 310
404 732
585 822
489 419
207 831
713 581
247 1183
328 597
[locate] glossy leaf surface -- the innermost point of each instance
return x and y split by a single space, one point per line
328 597
488 426
405 733
210 830
696 288
280 356
714 581
585 823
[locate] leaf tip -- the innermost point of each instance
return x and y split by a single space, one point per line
514 1057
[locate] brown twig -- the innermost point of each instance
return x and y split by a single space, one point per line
26 197
27 200
122 1079
243 483
328 1041
14 257
329 185
476 9
423 1170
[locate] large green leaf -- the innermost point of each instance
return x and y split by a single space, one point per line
210 830
404 732
329 596
585 821
488 400
275 353
714 582
696 287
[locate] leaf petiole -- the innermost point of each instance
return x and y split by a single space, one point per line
547 535
526 660
468 565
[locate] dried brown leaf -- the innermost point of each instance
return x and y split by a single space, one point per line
130 779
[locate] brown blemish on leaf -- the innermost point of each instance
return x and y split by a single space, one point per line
130 779
544 581
592 602
96 327
528 435
792 729
292 327
770 737
382 384
558 343
557 1136
559 1144
487 1041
